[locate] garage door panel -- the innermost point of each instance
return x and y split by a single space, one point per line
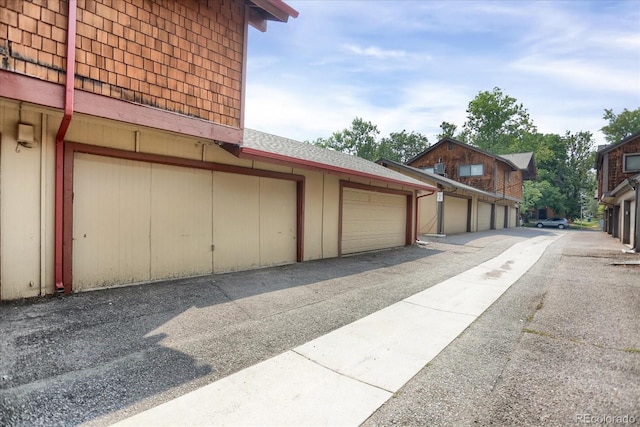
181 227
484 216
499 217
372 221
278 222
455 214
236 222
111 221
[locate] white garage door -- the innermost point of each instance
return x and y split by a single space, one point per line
137 221
455 214
372 220
484 216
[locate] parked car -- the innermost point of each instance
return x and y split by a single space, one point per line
553 222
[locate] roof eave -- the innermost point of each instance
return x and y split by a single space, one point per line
255 154
261 11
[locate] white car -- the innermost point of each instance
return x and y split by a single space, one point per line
553 222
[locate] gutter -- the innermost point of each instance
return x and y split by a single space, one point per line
255 154
62 131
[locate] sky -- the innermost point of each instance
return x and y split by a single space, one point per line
412 64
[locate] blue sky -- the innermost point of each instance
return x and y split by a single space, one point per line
411 64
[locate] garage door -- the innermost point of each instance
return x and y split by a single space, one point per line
513 217
500 215
254 222
372 220
455 214
484 216
137 221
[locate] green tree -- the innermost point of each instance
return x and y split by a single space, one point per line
497 123
402 146
358 140
447 130
577 178
621 125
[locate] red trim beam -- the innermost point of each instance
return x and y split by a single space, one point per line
35 91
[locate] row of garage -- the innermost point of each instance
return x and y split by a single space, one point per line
141 205
459 208
460 214
137 221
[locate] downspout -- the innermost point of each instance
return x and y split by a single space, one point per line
62 131
637 226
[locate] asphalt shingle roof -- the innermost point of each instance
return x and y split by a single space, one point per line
302 153
521 160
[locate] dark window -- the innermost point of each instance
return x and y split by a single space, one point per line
632 163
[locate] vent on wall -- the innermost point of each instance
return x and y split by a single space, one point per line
438 168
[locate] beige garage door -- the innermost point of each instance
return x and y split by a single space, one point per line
455 214
500 217
137 221
484 216
254 222
372 220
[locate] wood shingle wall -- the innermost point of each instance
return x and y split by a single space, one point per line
615 166
182 56
497 177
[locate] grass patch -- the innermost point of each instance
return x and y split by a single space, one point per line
631 350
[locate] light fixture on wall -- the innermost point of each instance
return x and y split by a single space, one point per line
26 135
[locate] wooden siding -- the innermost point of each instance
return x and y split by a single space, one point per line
615 166
497 177
184 56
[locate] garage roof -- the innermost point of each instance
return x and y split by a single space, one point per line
443 181
271 148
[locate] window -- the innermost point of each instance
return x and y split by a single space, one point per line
631 163
471 170
429 169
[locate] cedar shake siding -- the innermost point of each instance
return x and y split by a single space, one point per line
497 177
181 56
610 164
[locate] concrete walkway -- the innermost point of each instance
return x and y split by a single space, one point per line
341 378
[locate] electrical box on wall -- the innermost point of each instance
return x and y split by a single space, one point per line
25 134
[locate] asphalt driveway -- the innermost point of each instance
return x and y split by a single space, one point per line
100 357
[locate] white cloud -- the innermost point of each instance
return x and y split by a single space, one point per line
411 65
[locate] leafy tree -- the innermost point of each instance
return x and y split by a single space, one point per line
621 125
497 123
402 146
577 178
448 130
359 140
531 195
